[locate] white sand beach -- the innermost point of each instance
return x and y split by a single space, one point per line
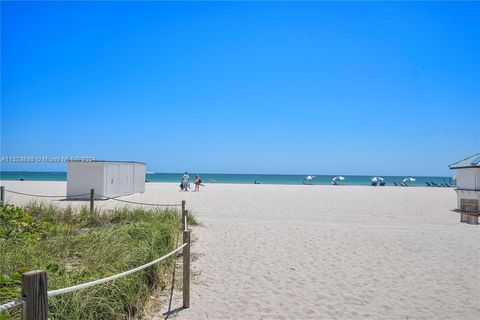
319 252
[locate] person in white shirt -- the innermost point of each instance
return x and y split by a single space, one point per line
185 181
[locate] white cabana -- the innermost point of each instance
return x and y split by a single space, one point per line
467 174
108 178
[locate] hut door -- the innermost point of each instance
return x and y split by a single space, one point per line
112 180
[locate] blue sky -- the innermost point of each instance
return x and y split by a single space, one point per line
348 88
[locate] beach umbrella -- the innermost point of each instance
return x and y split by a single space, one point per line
376 179
310 177
409 179
338 178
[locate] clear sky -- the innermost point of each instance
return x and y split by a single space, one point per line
307 88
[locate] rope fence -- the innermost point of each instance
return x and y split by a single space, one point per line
34 300
77 287
11 304
44 195
92 198
140 203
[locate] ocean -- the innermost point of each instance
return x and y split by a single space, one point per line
237 178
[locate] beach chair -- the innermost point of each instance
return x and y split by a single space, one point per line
396 184
382 183
428 184
403 184
374 183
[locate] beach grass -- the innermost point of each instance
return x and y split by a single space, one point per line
75 246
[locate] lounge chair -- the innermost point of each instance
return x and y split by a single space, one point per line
403 184
374 183
396 184
428 184
382 183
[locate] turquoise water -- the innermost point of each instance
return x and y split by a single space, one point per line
234 178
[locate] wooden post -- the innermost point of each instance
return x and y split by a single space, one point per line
2 194
34 291
184 213
186 269
92 200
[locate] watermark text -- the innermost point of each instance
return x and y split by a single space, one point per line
44 159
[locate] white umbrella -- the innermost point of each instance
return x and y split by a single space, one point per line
338 178
376 179
310 177
409 179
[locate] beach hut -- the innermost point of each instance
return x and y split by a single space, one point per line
467 173
108 178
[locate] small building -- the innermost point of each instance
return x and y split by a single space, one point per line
108 178
468 185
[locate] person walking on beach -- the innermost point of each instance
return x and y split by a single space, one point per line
185 181
197 181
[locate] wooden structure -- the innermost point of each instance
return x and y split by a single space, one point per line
467 173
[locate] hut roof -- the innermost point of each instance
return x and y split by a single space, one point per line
113 161
470 162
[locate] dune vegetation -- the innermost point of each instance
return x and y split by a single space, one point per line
75 246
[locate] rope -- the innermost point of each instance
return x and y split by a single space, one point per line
111 278
141 203
98 195
11 304
57 292
45 196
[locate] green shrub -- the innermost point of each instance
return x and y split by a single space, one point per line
19 226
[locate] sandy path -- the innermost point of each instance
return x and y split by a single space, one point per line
322 252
